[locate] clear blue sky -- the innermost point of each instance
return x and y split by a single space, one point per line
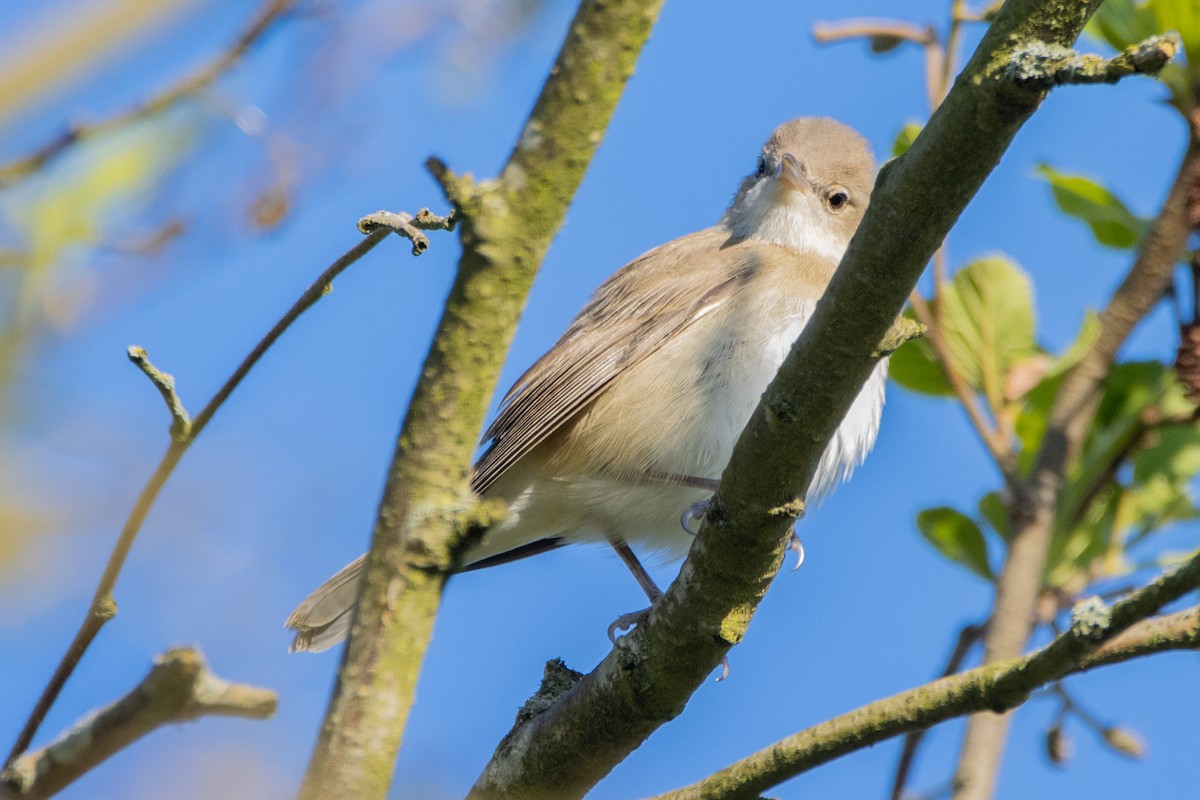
281 490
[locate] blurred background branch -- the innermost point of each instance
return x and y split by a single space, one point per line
179 688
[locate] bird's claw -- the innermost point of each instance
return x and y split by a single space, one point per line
693 515
795 544
626 622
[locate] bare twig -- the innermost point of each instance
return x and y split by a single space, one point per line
1049 65
967 638
181 423
179 688
272 12
103 607
874 30
408 226
998 446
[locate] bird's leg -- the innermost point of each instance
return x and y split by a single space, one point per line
653 593
627 621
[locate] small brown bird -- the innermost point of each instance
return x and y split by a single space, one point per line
631 416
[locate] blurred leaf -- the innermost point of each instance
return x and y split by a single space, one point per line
905 138
1121 23
97 182
1073 549
987 320
957 537
1031 422
916 368
1111 222
995 513
1089 332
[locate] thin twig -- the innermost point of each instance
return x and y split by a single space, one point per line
875 30
181 423
103 607
997 446
179 688
272 12
967 638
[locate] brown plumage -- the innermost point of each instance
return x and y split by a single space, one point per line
660 371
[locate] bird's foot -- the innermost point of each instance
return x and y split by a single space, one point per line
796 545
693 515
626 622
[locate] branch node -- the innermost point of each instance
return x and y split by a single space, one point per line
457 188
792 509
557 680
904 329
178 688
408 226
1043 66
1091 619
181 422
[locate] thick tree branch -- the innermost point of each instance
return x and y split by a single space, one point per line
179 688
649 676
271 13
1092 642
506 227
1035 508
103 607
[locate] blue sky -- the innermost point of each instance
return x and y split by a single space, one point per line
281 490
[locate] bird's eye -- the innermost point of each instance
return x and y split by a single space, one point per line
762 167
837 200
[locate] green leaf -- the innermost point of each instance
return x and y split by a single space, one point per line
905 138
1111 222
915 367
957 537
987 320
995 513
1121 23
1089 332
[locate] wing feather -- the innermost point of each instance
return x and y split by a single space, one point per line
630 316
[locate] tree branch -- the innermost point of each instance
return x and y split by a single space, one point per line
1035 506
103 607
272 12
646 680
179 688
507 225
1092 641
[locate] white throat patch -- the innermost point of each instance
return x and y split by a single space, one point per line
793 221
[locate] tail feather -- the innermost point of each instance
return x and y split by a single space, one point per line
323 619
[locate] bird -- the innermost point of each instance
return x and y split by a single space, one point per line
630 417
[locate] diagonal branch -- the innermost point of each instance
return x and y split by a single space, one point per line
992 688
179 688
428 510
650 675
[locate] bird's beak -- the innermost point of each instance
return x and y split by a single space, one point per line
793 173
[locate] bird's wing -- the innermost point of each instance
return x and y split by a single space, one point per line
630 316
